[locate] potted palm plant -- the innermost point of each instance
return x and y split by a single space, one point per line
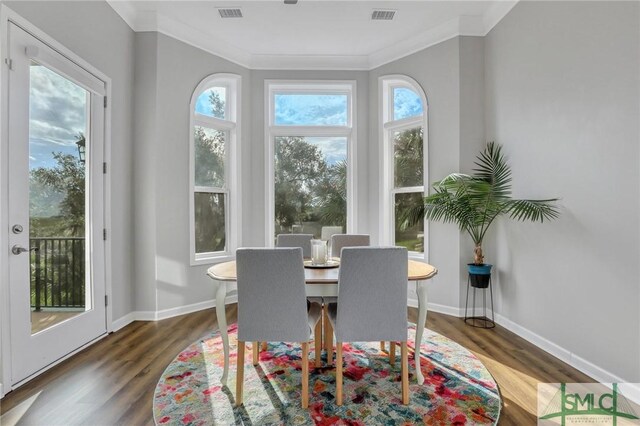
474 201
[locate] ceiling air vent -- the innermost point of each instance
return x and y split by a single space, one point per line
382 15
230 13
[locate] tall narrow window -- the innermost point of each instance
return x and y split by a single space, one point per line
214 140
310 135
404 121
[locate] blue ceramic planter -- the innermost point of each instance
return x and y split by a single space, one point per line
484 269
479 275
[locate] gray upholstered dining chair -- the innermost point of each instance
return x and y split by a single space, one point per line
326 232
296 240
372 303
273 307
338 241
303 241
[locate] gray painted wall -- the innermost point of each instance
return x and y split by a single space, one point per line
167 71
145 132
472 131
98 35
165 270
180 69
454 122
164 277
562 97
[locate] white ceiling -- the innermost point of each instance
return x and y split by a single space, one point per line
314 34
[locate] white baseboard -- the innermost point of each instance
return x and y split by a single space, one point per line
146 316
632 390
434 307
123 321
187 309
167 313
1 391
183 310
544 344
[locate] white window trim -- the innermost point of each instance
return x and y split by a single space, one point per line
211 122
388 125
347 87
232 127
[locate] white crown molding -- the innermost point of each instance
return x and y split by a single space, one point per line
206 42
146 21
495 13
309 62
126 11
460 26
152 21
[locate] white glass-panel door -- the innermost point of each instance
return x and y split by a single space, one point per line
56 218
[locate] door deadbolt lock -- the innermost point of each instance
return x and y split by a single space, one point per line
17 229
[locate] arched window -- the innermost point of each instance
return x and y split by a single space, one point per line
214 140
404 160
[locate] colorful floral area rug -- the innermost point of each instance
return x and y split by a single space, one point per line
458 389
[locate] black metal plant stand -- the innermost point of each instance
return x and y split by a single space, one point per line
479 321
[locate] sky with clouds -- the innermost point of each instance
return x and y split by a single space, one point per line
310 110
57 114
315 110
334 149
406 103
203 103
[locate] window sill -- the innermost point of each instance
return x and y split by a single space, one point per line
417 256
212 260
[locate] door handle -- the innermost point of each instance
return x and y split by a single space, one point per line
16 249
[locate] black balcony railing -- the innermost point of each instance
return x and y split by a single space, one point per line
57 272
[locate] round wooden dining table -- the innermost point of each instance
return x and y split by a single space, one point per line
319 282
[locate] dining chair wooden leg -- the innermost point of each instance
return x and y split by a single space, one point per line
382 348
405 372
322 326
239 373
305 375
338 373
328 338
318 343
264 346
255 347
392 353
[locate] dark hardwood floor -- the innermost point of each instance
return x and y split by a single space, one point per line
112 382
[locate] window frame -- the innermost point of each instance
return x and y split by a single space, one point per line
231 126
387 128
272 131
